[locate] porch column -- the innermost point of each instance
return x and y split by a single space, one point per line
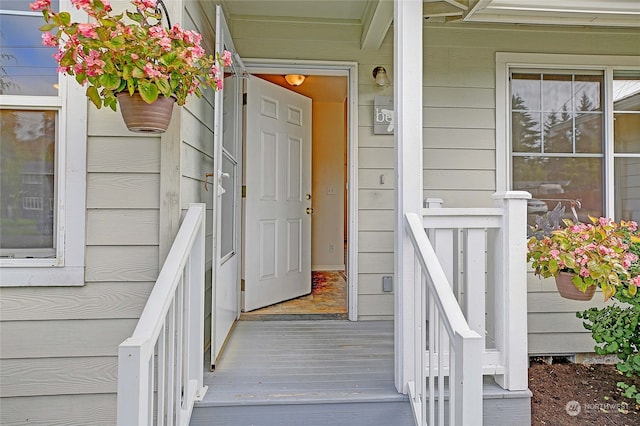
407 64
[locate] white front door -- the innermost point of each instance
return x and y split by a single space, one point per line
225 300
277 238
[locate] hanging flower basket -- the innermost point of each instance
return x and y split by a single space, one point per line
568 290
142 117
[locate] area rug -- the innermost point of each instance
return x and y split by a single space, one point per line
328 296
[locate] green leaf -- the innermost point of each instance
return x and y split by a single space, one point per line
110 81
115 43
168 58
148 92
138 73
48 27
164 87
67 60
92 93
109 23
65 18
135 16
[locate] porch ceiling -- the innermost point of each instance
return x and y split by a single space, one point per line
614 13
375 16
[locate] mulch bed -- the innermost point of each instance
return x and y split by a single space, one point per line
566 394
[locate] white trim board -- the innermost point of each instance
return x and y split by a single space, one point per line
332 68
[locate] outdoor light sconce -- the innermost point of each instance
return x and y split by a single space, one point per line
294 79
380 76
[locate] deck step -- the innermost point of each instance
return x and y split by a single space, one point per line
323 414
321 373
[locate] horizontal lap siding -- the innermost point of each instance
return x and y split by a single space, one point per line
459 139
59 344
317 40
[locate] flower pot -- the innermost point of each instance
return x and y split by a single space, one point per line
569 291
142 117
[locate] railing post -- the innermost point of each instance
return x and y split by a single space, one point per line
195 343
133 395
468 364
511 289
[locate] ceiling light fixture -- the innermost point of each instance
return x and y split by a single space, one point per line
294 79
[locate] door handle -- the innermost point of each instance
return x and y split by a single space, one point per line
308 196
309 210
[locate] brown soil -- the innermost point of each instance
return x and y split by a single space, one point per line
579 394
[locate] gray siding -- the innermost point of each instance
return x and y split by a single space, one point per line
59 344
459 139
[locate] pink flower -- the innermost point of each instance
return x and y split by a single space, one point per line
150 71
88 30
635 281
145 4
219 84
554 254
49 40
134 56
584 272
40 4
157 32
226 57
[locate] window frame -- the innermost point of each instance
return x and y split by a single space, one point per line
506 61
67 268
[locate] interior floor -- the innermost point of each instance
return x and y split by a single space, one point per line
327 300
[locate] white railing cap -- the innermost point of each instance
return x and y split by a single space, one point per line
511 195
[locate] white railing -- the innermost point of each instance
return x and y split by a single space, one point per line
469 263
160 367
454 350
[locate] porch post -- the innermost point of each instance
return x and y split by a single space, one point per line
407 62
511 289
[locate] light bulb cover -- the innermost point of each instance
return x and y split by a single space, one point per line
380 76
294 79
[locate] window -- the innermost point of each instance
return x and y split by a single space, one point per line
572 133
42 157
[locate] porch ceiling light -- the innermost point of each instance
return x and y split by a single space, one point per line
380 76
294 79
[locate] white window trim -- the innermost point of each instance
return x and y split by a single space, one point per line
506 61
67 269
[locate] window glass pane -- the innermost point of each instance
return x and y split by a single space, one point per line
560 179
626 91
557 93
27 198
227 243
26 66
626 131
525 131
627 184
587 92
525 90
558 132
588 132
626 106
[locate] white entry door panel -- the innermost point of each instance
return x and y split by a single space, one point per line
278 195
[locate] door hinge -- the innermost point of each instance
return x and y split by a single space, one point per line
244 191
244 99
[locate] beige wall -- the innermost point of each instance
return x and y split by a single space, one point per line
328 186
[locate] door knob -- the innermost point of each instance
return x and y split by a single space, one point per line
308 196
309 210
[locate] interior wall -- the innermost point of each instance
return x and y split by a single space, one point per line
328 186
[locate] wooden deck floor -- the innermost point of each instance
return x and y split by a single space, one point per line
341 372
